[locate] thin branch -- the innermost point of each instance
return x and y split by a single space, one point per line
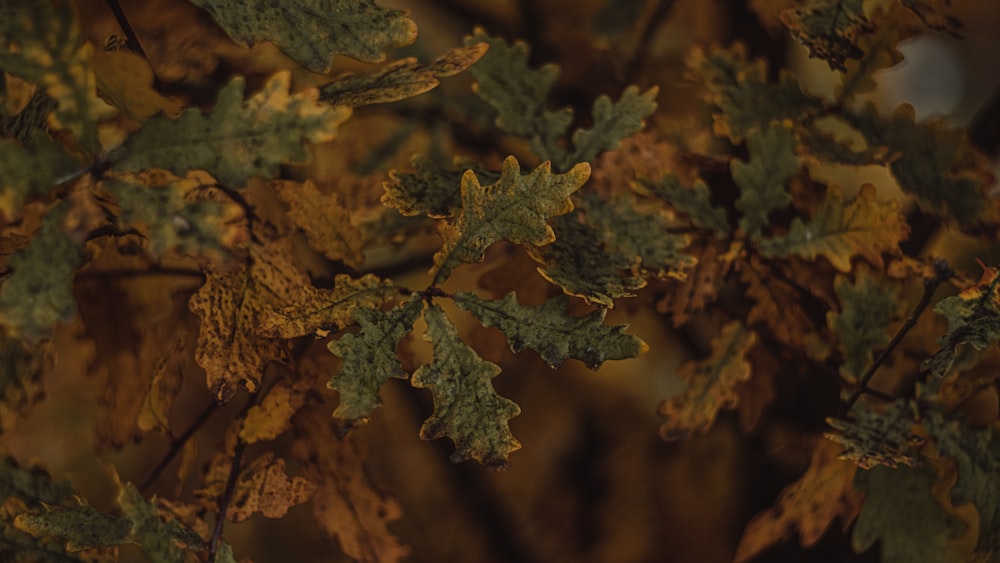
942 273
227 497
639 53
130 36
177 445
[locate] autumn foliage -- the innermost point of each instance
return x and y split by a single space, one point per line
253 253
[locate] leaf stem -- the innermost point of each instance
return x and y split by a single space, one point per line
942 273
177 444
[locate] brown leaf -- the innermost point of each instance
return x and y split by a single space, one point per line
232 305
125 80
273 415
808 505
346 505
686 297
326 220
262 486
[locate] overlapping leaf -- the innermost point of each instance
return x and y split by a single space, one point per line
694 201
19 121
868 307
370 358
808 506
778 304
313 31
711 384
39 292
30 170
830 29
273 416
902 514
50 52
762 179
262 486
232 305
515 208
973 318
467 409
240 138
125 79
877 438
314 309
400 80
840 231
613 121
325 219
551 332
430 190
21 369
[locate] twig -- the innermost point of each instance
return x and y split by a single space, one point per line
177 444
638 57
942 273
227 496
130 37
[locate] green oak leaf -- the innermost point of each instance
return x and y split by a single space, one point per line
33 485
763 177
875 438
430 189
515 208
552 333
312 31
39 292
81 526
238 139
830 29
900 512
21 367
370 358
695 202
977 453
973 318
613 121
867 307
161 540
27 170
51 53
467 409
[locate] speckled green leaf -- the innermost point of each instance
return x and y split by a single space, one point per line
370 358
695 202
875 437
30 170
973 318
868 305
551 332
81 526
900 512
162 541
51 53
240 138
977 453
515 208
762 178
33 485
39 292
830 29
313 31
467 409
400 80
430 189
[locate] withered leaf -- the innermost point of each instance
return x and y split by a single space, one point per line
313 309
262 486
326 220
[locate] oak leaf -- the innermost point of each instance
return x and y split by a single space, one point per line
830 29
26 111
430 189
551 332
711 384
232 305
262 486
808 506
325 219
273 416
370 358
683 298
868 307
840 231
30 169
312 31
973 318
467 409
239 139
694 201
877 438
778 304
125 80
762 179
515 208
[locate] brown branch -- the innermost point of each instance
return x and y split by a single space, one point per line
639 53
227 497
130 37
177 444
942 273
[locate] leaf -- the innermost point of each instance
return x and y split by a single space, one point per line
901 513
877 438
741 91
890 27
762 179
515 208
930 160
325 219
711 384
830 29
552 333
635 233
370 358
839 232
430 190
51 53
467 409
973 318
808 506
27 170
21 368
346 504
578 263
694 201
273 416
400 80
81 526
262 486
778 304
39 292
17 546
232 305
169 371
315 309
23 123
125 80
977 453
164 206
868 307
237 140
312 31
684 298
613 121
161 540
32 485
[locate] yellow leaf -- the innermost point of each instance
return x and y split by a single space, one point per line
326 220
125 80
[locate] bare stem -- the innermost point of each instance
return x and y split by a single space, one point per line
178 444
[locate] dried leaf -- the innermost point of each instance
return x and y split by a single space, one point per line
314 309
237 140
430 190
325 219
21 367
551 332
830 29
684 298
711 384
125 80
313 31
273 416
877 438
262 486
778 304
467 409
